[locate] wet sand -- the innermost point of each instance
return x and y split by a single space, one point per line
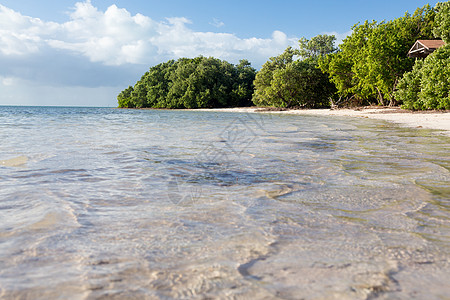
439 120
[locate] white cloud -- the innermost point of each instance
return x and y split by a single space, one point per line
217 23
279 37
89 58
7 81
115 37
20 35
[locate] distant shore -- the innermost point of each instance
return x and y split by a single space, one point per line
439 120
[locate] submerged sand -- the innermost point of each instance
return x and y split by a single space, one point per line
439 120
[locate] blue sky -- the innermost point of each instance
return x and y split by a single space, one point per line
85 52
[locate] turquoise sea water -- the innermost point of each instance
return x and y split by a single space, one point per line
149 204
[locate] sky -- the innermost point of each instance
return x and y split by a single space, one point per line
83 53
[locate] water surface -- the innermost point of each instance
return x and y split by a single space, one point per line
106 203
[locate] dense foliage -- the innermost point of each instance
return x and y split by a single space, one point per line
370 67
427 86
373 58
293 79
192 83
442 28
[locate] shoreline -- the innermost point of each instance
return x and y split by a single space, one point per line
437 120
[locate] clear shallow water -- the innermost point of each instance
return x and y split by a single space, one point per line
107 203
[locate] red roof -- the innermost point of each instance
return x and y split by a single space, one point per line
432 44
422 48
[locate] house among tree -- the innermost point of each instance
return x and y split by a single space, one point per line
423 48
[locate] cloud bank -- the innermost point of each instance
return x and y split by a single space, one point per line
115 37
111 48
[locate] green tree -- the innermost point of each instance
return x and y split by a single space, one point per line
301 84
339 68
243 87
318 46
158 83
263 94
442 20
373 58
192 83
408 88
124 98
201 82
286 81
342 68
139 93
286 86
427 86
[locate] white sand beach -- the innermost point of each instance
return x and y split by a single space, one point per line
423 119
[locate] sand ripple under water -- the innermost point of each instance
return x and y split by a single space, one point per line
118 204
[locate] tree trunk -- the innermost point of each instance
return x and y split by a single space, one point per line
380 98
392 100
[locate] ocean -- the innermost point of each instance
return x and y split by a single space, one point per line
156 204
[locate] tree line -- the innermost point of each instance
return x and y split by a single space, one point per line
369 67
372 66
192 83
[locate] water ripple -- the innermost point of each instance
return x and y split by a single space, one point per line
107 203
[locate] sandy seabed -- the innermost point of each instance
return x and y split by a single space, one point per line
439 120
